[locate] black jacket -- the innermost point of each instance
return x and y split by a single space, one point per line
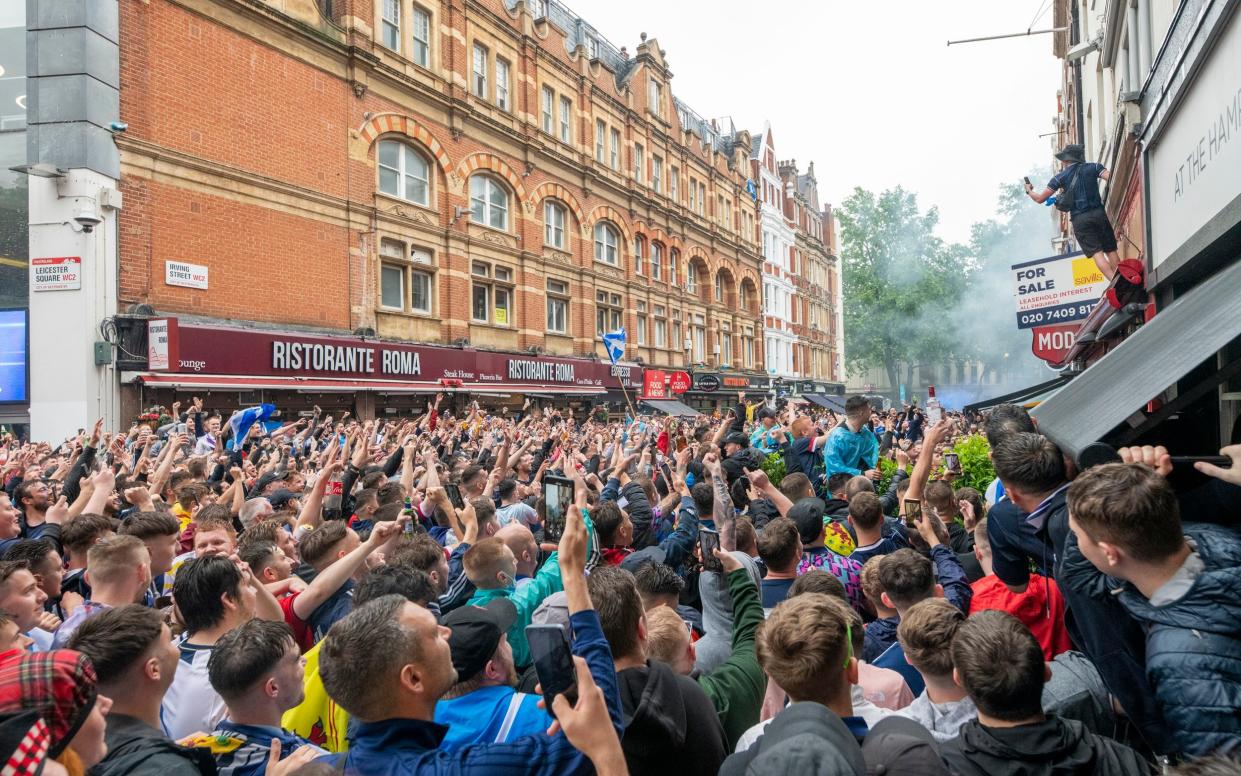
739 462
671 726
1054 747
804 738
137 749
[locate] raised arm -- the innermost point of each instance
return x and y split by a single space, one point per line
723 514
922 469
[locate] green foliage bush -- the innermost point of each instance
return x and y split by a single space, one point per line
773 466
977 469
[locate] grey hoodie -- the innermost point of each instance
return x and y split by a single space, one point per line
717 615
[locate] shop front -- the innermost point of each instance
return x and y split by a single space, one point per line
235 367
1176 380
712 391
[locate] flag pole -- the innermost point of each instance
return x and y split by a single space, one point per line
624 390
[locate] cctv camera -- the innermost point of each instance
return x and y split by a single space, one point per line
87 216
118 126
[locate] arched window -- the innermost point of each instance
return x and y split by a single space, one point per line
403 172
657 261
606 242
719 287
674 262
553 224
488 202
639 253
743 298
691 277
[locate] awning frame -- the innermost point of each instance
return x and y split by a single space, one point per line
1020 395
654 404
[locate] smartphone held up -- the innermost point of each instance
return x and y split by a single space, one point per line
553 663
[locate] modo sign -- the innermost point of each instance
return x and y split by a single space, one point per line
1057 289
1052 343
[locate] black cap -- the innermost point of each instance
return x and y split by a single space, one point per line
898 745
807 514
281 498
737 438
1073 152
476 633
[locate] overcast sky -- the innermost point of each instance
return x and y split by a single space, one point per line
867 90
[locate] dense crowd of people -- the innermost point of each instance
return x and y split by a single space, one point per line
533 592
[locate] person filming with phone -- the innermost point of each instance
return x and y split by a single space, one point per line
1078 185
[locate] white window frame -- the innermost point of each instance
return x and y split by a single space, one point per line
691 277
496 282
674 183
421 53
566 119
607 241
661 326
414 276
503 71
478 82
404 151
489 209
657 174
639 254
639 162
601 141
385 268
615 138
655 97
547 100
640 306
558 299
657 260
390 22
609 311
553 224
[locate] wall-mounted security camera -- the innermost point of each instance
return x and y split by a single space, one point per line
86 215
118 126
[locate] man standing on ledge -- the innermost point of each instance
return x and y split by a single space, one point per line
1078 185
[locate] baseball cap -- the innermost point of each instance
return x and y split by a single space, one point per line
281 498
476 633
900 745
737 438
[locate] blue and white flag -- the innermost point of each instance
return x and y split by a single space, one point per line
751 188
243 420
614 341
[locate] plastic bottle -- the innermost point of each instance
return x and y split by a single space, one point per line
933 411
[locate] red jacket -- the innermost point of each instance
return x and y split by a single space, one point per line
1040 607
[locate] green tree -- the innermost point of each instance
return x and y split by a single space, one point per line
900 284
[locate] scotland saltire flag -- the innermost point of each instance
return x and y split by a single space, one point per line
242 420
614 341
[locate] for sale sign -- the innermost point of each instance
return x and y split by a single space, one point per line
62 273
1057 289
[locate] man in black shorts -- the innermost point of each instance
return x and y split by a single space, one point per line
1090 225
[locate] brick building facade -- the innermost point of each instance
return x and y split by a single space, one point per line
494 175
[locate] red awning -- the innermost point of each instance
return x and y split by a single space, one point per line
229 382
564 390
322 384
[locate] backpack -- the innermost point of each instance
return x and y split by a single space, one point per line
1066 199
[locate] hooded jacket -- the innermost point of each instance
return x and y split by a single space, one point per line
804 738
1053 747
1193 646
717 615
670 724
134 747
736 685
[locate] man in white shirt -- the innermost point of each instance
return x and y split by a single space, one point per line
213 595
